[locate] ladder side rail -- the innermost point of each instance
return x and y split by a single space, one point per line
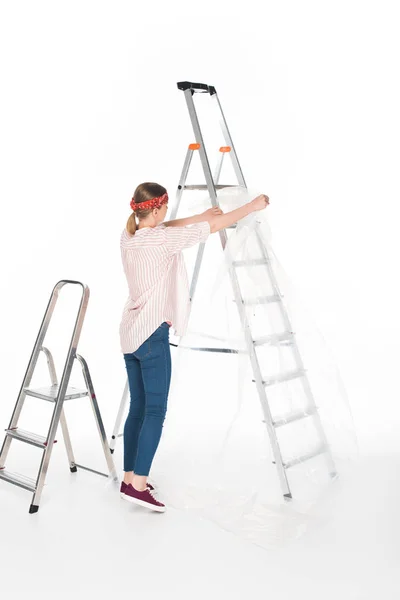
298 358
228 139
67 442
4 450
218 168
118 421
59 402
97 415
203 155
209 181
63 420
196 271
181 185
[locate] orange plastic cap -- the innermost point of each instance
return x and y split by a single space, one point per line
225 149
194 146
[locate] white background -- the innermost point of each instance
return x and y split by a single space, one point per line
89 108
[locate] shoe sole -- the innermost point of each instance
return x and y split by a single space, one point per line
160 509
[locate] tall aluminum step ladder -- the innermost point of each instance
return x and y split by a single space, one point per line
57 394
252 342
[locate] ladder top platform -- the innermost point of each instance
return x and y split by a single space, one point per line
200 88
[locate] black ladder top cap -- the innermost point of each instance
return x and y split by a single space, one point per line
197 87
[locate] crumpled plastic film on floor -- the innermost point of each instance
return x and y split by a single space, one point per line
215 456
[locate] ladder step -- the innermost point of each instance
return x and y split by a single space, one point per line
205 187
292 417
278 338
26 436
288 376
262 300
250 263
25 482
50 393
296 461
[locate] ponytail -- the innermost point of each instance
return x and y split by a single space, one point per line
131 225
143 193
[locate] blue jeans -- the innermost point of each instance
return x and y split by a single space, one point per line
149 376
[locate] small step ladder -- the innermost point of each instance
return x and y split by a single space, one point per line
57 394
262 382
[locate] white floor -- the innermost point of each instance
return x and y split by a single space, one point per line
86 541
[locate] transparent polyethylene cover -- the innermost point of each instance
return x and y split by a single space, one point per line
215 455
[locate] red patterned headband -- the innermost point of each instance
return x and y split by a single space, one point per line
150 204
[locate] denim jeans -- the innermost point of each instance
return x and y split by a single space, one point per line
149 376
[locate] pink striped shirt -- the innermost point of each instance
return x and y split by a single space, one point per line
157 280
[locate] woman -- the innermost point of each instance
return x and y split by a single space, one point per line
158 298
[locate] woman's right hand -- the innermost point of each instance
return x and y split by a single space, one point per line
260 202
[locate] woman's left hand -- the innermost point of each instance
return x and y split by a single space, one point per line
212 212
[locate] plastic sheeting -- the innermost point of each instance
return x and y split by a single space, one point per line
215 456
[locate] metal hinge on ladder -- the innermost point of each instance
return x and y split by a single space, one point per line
56 394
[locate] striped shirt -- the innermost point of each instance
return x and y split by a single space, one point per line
157 280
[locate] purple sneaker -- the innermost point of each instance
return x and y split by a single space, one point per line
145 498
124 486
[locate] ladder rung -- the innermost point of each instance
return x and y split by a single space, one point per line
250 263
205 187
305 457
222 350
26 436
278 338
262 300
50 393
288 376
25 482
92 470
292 417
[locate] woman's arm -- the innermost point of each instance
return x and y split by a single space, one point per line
222 221
205 216
218 220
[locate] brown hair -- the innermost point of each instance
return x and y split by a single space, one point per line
144 191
